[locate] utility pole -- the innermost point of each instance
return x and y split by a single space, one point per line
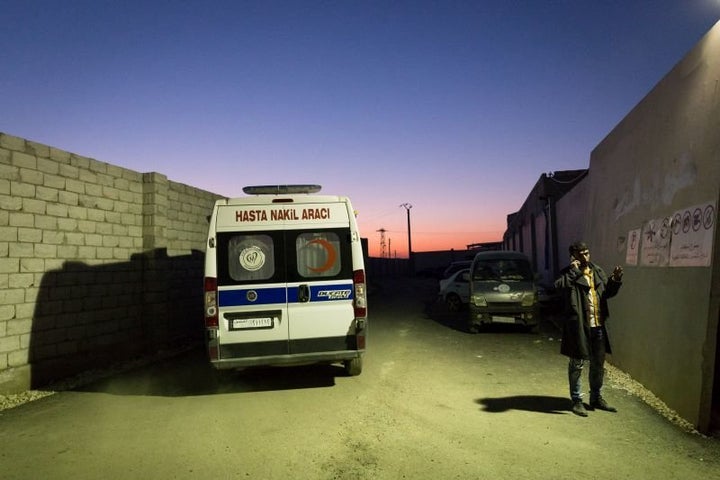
411 266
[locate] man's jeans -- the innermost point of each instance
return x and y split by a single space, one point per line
597 368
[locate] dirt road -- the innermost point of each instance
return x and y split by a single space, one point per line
433 402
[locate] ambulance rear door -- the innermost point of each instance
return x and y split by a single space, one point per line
320 280
252 295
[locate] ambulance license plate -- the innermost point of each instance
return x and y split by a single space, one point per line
251 323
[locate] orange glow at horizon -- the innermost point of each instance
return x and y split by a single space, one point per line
396 243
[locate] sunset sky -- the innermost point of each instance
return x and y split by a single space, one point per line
453 107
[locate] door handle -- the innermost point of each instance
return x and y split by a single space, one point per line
303 293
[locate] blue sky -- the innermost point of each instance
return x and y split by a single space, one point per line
454 107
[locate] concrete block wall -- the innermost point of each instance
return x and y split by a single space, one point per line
97 263
662 158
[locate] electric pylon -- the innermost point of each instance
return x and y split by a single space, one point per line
383 251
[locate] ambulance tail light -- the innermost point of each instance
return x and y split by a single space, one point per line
360 294
211 307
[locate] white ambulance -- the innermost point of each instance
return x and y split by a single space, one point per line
285 280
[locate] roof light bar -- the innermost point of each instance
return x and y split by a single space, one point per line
280 189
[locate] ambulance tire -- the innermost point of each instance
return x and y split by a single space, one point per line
353 367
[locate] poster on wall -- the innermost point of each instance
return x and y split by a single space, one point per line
633 247
693 230
655 249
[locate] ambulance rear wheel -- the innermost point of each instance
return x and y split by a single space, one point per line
353 367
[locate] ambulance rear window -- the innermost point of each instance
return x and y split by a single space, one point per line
319 254
251 257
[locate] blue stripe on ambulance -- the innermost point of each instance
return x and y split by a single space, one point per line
265 296
238 298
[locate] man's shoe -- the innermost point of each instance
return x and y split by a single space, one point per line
601 404
579 409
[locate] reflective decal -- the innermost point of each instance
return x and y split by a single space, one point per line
252 258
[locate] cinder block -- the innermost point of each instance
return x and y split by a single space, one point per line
69 171
93 240
19 326
87 176
9 172
8 233
95 215
24 160
12 143
59 155
21 280
57 210
19 358
80 161
9 344
53 237
31 205
21 219
67 224
32 265
105 204
37 149
54 181
46 194
46 165
76 186
15 380
25 310
21 250
31 176
7 312
97 166
20 189
78 213
45 251
68 198
68 252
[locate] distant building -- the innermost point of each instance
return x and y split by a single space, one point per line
539 230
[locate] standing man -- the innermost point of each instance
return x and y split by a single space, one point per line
585 288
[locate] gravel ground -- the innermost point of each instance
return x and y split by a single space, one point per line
90 376
619 379
614 376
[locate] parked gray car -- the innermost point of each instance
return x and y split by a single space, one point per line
502 290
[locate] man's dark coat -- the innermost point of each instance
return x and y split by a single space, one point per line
574 288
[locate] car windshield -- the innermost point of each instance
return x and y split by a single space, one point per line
502 270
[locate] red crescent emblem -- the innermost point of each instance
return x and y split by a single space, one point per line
331 255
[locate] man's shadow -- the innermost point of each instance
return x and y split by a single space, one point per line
530 403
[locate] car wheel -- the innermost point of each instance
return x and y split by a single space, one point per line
353 367
453 302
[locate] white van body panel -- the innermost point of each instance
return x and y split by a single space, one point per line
285 270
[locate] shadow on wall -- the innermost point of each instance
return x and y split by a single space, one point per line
89 317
